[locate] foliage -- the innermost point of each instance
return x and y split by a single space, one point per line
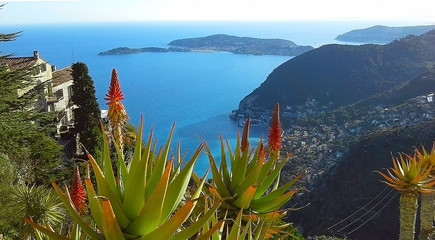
40 204
410 174
250 185
144 199
87 115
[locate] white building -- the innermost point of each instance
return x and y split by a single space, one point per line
60 100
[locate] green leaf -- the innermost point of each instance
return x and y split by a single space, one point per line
94 204
46 231
272 204
217 178
210 232
251 179
66 199
177 188
244 200
107 166
159 166
111 228
223 167
149 217
136 183
168 228
276 193
105 190
262 188
197 225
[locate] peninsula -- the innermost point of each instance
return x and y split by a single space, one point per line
382 34
223 43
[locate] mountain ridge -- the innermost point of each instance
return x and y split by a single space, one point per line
382 34
337 75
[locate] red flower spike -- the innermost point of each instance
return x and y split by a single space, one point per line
274 140
78 194
245 142
115 94
261 152
117 113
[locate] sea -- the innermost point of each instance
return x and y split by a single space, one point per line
195 90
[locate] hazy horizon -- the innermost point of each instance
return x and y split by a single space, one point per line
418 12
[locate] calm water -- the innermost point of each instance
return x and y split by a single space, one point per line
195 90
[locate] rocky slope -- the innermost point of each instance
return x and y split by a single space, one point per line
338 151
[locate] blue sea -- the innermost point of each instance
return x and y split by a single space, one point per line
197 91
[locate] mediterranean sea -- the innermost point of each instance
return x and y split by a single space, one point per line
195 90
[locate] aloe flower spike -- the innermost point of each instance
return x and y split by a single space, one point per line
245 141
274 140
78 194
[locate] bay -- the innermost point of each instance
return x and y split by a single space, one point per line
195 90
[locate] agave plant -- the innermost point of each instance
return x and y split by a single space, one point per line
427 205
142 200
117 114
409 175
249 187
38 203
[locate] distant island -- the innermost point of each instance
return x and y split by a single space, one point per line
222 43
382 34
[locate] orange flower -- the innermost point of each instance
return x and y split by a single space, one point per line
274 140
245 141
78 194
117 113
115 94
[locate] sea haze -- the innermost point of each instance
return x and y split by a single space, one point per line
195 90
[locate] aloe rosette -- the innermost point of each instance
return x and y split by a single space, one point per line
142 200
411 176
251 182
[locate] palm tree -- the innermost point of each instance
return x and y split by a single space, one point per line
410 176
40 204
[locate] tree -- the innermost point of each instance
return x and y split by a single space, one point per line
24 129
87 114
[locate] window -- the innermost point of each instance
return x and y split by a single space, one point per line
43 67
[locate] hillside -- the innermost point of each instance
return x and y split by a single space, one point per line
336 75
338 150
353 184
382 34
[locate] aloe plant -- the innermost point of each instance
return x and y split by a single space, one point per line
140 201
409 175
427 206
250 185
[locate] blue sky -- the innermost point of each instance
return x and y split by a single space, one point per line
61 11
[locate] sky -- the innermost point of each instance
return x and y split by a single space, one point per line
71 11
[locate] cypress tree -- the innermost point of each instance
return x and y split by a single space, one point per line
87 114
